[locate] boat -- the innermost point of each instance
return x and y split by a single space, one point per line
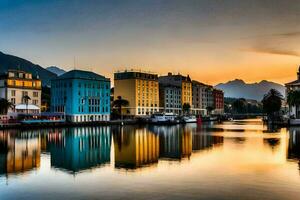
190 119
164 118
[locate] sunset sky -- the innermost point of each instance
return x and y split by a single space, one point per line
212 40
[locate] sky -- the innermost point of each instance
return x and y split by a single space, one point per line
211 40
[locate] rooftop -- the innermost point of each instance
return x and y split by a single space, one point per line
80 74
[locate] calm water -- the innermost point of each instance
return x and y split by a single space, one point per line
233 160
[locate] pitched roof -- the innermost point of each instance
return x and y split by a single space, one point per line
80 74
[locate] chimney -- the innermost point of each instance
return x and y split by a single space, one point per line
298 74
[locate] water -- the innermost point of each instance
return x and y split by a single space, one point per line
233 160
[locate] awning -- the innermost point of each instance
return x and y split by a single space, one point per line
24 107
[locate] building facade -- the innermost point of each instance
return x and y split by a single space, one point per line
83 96
15 85
294 110
178 81
140 89
170 98
218 102
202 98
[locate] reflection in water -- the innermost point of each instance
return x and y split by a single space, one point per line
272 142
294 145
175 142
76 149
19 152
250 159
135 147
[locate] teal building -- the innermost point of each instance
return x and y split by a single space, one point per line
83 96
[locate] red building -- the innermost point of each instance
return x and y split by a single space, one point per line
218 101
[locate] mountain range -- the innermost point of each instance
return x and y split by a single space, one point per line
235 88
13 62
239 89
56 70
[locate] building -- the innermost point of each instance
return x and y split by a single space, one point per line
16 85
170 98
140 89
294 110
218 101
83 96
202 98
177 82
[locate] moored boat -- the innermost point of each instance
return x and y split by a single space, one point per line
190 119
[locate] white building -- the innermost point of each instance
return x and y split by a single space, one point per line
15 85
294 110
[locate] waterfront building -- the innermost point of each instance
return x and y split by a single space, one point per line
16 86
294 111
218 101
181 88
140 89
82 96
170 98
201 99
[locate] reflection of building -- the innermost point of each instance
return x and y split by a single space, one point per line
15 85
135 148
174 142
77 149
83 96
19 153
203 141
294 144
139 89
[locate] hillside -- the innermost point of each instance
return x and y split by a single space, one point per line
14 62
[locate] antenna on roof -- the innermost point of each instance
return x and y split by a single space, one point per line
74 63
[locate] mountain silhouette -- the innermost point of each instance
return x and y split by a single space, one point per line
13 62
56 70
239 89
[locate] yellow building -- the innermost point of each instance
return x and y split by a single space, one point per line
140 89
186 96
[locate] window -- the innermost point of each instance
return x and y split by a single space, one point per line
13 93
13 100
35 94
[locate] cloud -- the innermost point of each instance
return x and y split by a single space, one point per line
285 35
274 51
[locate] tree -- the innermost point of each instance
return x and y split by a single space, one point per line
272 103
5 105
186 108
119 103
209 109
26 99
240 106
293 99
